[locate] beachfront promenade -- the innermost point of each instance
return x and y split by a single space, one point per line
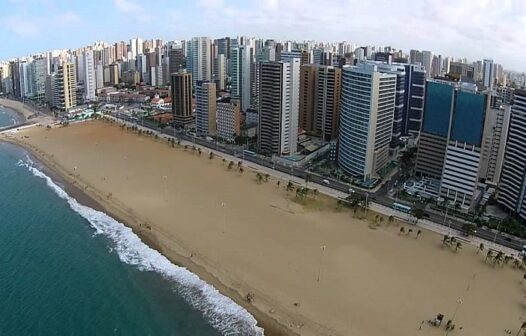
490 242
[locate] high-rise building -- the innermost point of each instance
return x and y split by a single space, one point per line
414 96
39 73
223 47
200 59
450 142
136 47
320 88
398 117
278 107
427 62
494 144
181 87
220 76
205 108
488 73
228 120
512 186
65 87
177 60
90 85
366 119
241 75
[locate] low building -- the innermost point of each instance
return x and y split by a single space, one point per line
228 120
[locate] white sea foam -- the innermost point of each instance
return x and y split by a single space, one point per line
222 313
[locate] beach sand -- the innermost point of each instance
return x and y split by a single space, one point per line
244 237
22 110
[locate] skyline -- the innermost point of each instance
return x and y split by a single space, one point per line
490 32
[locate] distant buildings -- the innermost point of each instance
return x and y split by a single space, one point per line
488 74
366 119
200 63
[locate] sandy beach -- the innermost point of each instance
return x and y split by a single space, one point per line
22 110
313 269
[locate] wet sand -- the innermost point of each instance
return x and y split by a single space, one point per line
24 112
244 237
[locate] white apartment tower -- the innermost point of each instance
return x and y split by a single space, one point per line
200 59
278 107
89 75
366 119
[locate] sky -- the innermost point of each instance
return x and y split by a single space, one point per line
474 29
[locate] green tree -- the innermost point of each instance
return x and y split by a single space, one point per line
259 178
481 248
418 233
458 246
418 213
446 240
290 186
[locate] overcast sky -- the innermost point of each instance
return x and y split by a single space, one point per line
475 29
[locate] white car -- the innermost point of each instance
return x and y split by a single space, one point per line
326 182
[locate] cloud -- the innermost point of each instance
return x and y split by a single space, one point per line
19 25
131 7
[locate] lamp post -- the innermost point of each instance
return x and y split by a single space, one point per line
459 302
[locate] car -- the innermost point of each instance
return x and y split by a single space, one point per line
326 182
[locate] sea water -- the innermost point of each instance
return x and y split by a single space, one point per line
67 269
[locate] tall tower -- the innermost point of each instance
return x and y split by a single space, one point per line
278 107
512 186
181 86
205 108
241 75
200 55
65 87
89 75
366 119
488 73
320 88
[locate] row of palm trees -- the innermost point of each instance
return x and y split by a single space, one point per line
452 242
409 231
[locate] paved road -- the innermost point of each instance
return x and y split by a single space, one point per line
334 187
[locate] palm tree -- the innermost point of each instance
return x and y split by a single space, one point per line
224 160
391 219
185 147
239 163
315 191
402 230
418 233
241 170
290 186
523 277
481 248
278 183
409 231
516 263
230 165
307 179
259 178
489 255
376 218
266 177
458 246
499 258
211 156
199 151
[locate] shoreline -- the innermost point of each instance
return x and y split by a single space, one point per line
23 112
270 326
267 243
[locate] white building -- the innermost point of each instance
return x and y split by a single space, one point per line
220 72
200 63
88 75
228 120
366 119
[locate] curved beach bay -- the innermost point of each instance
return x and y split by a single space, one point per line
246 237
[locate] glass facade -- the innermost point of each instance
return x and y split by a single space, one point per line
468 119
437 112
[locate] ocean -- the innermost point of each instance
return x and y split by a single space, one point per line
67 269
